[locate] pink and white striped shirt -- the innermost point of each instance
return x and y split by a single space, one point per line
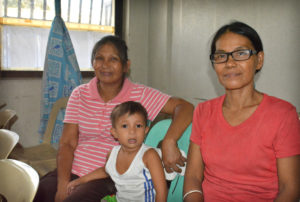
87 109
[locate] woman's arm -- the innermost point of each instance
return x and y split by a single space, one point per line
193 174
182 115
67 146
289 179
153 162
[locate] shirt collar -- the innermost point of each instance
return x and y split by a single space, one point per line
94 90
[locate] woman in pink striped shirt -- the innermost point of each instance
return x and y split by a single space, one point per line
86 137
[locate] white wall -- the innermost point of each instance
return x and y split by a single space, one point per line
136 34
179 38
24 96
169 46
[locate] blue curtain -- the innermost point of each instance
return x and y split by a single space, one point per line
61 73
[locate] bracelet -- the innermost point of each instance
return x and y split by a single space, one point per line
192 191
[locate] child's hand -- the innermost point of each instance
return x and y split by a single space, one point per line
72 185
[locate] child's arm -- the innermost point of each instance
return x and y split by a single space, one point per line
99 173
153 162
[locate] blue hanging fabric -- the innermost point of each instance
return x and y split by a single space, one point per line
61 73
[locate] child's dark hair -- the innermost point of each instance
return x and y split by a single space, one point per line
129 107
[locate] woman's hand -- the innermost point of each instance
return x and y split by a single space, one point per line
182 115
60 196
73 184
171 156
62 191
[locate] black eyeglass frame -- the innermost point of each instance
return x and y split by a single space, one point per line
251 52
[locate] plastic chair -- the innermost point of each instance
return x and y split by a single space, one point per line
8 140
19 181
2 104
43 156
7 118
155 135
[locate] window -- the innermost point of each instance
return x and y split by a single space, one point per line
25 26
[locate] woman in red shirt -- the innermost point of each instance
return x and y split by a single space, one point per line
245 145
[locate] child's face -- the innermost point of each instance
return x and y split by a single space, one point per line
130 130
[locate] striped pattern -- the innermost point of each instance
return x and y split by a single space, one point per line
148 185
92 114
135 184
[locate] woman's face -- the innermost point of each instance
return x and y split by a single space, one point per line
108 66
237 74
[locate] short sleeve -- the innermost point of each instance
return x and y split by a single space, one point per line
71 115
287 141
196 131
153 100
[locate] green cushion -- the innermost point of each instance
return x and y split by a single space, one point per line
109 198
155 135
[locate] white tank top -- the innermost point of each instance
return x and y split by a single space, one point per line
135 185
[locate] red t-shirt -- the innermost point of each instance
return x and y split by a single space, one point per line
240 161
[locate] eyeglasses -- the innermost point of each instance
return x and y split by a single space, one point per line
238 55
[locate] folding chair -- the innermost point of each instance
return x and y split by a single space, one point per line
19 181
8 140
42 157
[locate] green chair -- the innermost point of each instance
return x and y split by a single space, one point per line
155 135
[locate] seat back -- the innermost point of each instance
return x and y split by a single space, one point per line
155 135
19 181
57 106
7 118
8 140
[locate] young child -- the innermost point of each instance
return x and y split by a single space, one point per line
135 167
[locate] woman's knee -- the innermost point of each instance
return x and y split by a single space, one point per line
47 188
92 191
46 191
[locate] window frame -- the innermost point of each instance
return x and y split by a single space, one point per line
117 30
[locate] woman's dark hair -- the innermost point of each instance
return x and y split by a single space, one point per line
241 29
119 44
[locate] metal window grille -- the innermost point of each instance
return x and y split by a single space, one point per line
87 22
97 12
